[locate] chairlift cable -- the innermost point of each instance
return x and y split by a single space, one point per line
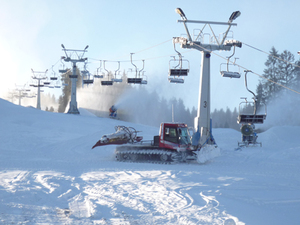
293 64
297 92
138 52
153 46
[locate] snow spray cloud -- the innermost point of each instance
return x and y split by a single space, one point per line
98 97
134 103
283 110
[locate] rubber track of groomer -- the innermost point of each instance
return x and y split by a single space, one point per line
146 154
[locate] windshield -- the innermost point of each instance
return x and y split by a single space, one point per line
184 136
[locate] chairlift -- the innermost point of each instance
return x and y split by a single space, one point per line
106 82
47 82
177 70
115 79
62 70
251 117
86 76
57 84
118 80
98 75
176 80
227 73
136 79
144 81
53 76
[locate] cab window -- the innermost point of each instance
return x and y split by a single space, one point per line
171 134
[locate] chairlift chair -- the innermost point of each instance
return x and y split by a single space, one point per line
46 83
86 79
176 80
177 69
98 75
115 79
106 82
57 84
53 75
86 76
227 73
63 69
136 79
144 81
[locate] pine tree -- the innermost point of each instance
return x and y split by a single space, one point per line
271 73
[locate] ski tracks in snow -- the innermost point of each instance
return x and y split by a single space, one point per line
107 197
154 197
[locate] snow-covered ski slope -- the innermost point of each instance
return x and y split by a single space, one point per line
50 175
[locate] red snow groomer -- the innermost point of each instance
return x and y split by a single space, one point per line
172 144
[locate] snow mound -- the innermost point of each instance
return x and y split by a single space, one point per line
207 153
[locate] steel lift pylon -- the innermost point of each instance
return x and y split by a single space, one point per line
73 103
202 123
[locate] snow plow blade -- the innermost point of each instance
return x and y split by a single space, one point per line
123 135
100 143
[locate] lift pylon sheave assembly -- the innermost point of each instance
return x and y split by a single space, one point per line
77 59
202 124
248 117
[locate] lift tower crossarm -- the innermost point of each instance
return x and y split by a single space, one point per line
207 22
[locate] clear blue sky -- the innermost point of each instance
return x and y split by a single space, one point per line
32 32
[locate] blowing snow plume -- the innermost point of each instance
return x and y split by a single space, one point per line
138 106
283 111
98 98
134 103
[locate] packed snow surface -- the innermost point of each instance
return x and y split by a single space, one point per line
50 175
